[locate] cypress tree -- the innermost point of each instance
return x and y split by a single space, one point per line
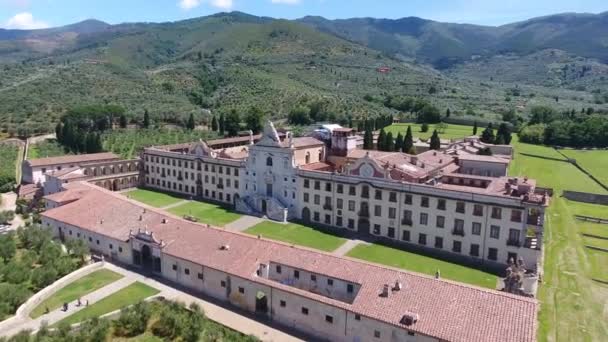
122 122
190 124
475 128
503 136
408 141
368 140
59 132
146 119
221 124
447 113
390 142
214 124
487 136
435 141
399 142
381 144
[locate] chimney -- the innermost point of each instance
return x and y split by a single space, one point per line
101 222
141 217
398 286
409 318
437 274
414 160
384 291
165 221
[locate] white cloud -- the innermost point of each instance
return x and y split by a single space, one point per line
190 4
25 21
286 2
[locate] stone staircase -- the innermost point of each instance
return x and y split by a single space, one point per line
275 209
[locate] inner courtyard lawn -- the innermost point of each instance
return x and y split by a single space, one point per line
153 198
422 264
129 295
568 289
76 289
212 214
451 132
297 234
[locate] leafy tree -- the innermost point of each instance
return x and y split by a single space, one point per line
8 247
399 142
542 114
254 119
475 128
146 123
408 141
424 128
232 123
78 248
214 124
487 136
6 216
133 321
503 135
43 276
299 116
123 121
390 142
381 144
435 141
441 127
191 124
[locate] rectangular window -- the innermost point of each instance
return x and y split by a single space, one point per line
476 228
340 188
392 197
391 232
405 236
496 213
478 210
378 194
460 207
495 232
296 274
440 204
424 219
515 215
304 311
316 216
424 202
474 250
365 191
492 253
440 221
351 223
317 199
376 334
328 187
283 303
422 239
377 229
351 205
200 276
327 219
377 210
306 197
458 227
350 288
329 319
438 242
313 277
352 191
317 185
457 246
513 237
408 199
407 218
174 267
339 221
278 269
392 213
357 317
339 203
187 271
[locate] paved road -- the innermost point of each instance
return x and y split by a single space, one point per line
347 246
9 202
175 205
243 223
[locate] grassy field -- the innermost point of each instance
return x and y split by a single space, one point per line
568 289
76 289
451 132
594 162
422 264
212 214
297 234
129 295
8 156
153 198
43 149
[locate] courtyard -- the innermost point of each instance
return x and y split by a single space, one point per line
153 198
297 234
205 212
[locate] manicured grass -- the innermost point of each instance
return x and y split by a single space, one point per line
153 198
596 229
129 295
212 214
451 132
422 264
297 234
594 162
76 289
567 289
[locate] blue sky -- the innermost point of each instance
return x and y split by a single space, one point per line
27 14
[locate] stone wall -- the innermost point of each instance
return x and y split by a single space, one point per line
586 197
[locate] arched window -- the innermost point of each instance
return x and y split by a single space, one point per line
307 157
269 161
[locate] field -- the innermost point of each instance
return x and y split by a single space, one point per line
422 264
129 295
297 234
8 156
76 289
451 132
43 149
153 198
568 289
593 161
212 214
129 142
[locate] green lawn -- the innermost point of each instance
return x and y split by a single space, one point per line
212 214
422 264
129 295
568 289
76 289
452 131
594 162
153 198
595 242
44 149
297 234
597 229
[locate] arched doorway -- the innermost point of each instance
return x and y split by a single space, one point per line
261 303
147 261
306 215
236 198
363 226
264 206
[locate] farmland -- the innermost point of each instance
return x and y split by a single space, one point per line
8 156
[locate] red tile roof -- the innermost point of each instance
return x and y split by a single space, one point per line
72 159
447 310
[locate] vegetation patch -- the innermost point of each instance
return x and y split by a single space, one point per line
129 295
44 149
297 234
8 158
204 212
75 290
445 131
422 264
153 198
593 161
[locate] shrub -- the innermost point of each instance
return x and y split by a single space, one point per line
533 134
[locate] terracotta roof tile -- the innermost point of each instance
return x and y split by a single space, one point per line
75 159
